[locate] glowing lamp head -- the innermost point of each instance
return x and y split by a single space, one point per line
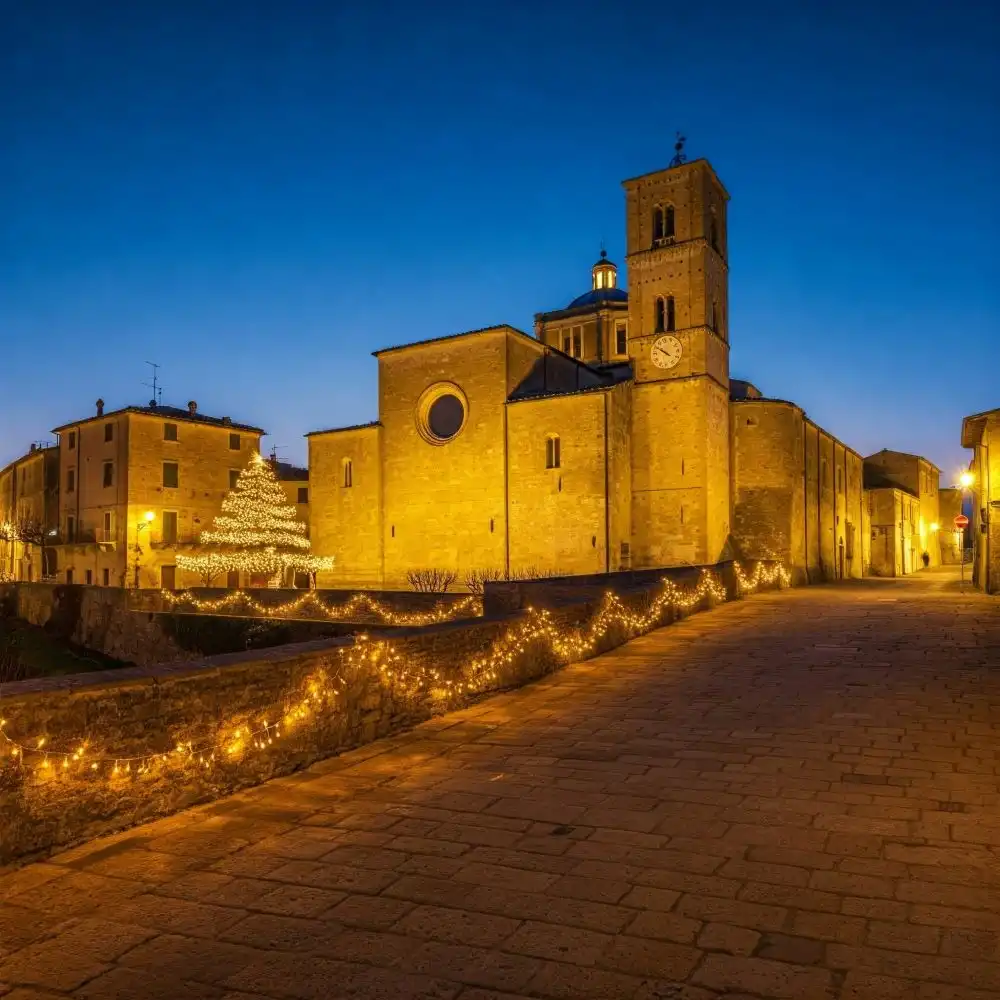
966 479
935 526
149 516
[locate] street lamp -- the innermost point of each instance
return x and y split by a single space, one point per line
147 519
965 481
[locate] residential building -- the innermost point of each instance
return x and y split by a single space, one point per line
29 513
920 478
981 433
138 485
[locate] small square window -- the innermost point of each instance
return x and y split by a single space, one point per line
170 432
303 494
234 442
109 474
109 432
234 478
170 477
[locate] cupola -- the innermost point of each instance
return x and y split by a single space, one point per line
605 273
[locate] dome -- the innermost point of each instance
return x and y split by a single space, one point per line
598 295
604 286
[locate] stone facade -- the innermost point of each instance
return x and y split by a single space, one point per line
981 433
798 494
116 468
895 520
29 501
920 478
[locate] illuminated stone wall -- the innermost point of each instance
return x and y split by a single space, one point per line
798 493
345 521
213 725
28 491
950 540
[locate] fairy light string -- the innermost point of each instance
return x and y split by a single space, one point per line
323 690
357 605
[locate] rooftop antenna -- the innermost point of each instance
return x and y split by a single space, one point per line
154 384
679 156
274 452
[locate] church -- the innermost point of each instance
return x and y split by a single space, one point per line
611 438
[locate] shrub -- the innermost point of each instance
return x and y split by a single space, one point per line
431 581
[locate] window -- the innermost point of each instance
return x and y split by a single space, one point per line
658 327
69 576
89 577
109 432
71 480
107 526
109 473
169 528
303 494
170 478
552 457
657 223
839 484
713 232
70 529
567 343
671 318
168 577
234 476
713 316
170 432
668 221
234 442
106 577
621 339
577 350
348 477
72 439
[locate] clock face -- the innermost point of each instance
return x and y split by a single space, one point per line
666 352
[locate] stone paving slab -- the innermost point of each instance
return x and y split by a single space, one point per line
794 796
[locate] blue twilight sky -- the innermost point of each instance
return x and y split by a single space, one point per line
257 194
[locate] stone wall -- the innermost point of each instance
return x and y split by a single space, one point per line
203 720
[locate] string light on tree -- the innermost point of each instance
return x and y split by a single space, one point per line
257 532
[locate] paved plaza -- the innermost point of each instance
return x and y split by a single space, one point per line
794 796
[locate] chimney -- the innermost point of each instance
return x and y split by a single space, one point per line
227 422
192 407
32 448
100 407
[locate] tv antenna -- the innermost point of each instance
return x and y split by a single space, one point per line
154 384
274 453
679 156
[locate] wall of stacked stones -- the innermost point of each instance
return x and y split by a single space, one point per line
184 713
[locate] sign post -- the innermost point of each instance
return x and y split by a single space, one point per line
961 523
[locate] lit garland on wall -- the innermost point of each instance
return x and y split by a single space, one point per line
257 531
324 689
470 606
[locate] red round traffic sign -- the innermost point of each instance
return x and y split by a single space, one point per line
961 521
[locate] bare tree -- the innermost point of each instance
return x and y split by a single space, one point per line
28 530
431 581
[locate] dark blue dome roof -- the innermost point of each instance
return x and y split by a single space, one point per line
598 295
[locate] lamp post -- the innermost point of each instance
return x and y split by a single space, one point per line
147 519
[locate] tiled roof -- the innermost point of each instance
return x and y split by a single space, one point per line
454 336
520 397
874 480
338 430
288 473
167 413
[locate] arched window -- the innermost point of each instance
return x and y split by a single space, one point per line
657 223
668 221
671 319
552 457
348 478
713 316
659 316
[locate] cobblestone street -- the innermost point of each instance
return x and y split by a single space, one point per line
793 796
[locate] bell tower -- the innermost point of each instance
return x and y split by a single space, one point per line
678 313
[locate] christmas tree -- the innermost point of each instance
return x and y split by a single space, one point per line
257 532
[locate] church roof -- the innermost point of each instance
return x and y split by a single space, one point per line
498 328
597 296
